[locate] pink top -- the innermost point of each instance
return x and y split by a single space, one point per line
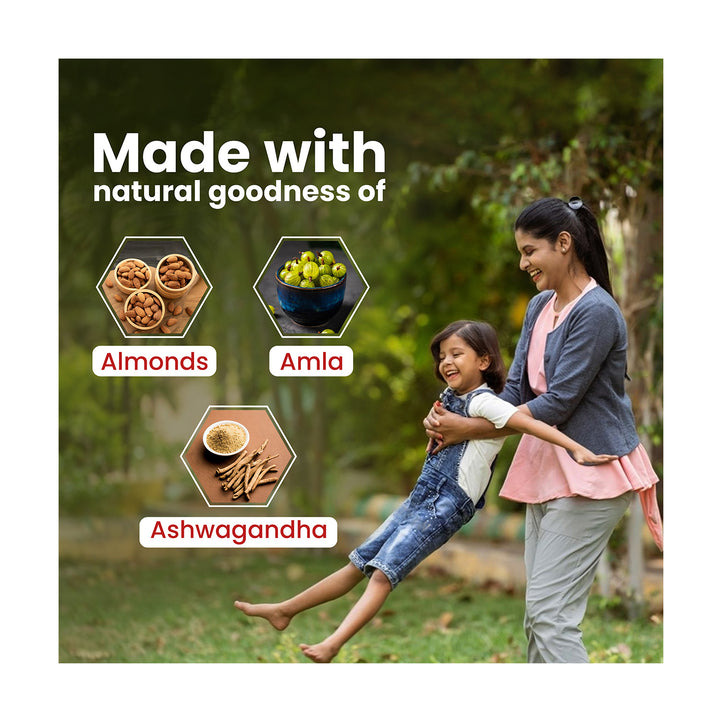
541 471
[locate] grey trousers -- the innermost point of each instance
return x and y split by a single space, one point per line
564 541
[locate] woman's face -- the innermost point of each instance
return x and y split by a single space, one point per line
546 263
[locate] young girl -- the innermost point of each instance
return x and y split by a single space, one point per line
450 488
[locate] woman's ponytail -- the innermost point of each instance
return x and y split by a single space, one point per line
592 252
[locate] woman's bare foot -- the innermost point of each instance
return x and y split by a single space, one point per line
320 653
272 612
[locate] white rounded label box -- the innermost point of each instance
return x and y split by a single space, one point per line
310 360
168 360
234 532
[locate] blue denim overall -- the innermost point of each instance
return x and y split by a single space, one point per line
447 461
434 511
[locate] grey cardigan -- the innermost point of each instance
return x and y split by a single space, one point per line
585 366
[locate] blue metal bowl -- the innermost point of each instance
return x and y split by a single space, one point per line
310 306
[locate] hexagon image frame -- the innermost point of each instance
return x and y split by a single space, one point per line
265 287
265 434
150 249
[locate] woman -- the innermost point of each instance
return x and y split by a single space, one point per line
569 370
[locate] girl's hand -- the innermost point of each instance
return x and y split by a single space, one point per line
583 456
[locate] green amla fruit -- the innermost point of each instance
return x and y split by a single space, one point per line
307 283
307 256
327 280
338 270
292 277
283 273
327 257
310 270
327 331
325 269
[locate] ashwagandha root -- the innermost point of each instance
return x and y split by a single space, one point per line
239 460
247 472
259 473
261 461
261 478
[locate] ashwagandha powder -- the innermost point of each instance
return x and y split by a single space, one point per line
226 438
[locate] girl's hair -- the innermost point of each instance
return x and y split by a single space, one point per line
483 339
548 217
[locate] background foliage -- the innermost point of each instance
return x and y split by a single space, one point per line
468 143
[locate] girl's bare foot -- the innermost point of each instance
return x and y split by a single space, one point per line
272 612
320 653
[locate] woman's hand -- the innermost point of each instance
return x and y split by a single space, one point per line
583 456
444 428
431 423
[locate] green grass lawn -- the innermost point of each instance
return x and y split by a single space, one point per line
179 609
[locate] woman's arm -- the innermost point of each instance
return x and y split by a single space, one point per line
444 428
522 421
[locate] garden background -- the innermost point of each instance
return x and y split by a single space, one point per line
467 144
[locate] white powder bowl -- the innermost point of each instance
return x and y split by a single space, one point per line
225 438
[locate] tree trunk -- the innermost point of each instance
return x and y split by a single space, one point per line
639 294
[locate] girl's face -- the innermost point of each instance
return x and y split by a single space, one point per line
460 366
547 263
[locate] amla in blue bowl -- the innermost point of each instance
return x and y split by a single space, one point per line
310 306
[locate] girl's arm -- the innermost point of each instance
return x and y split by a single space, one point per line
523 422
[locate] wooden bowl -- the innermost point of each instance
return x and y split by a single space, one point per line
138 283
157 315
171 286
